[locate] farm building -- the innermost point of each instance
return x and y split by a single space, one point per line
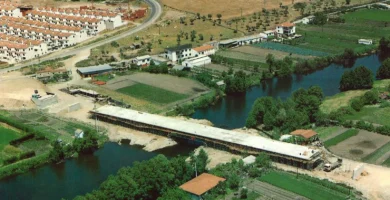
197 61
204 50
200 185
142 60
286 29
290 154
240 41
48 73
308 135
365 41
94 70
181 52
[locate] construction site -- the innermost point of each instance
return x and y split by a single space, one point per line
290 154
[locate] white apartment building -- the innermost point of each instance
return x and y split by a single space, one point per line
9 10
39 47
110 18
286 28
204 50
142 60
12 52
181 52
93 25
80 34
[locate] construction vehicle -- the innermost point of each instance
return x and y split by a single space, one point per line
332 163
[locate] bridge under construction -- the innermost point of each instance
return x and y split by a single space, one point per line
286 153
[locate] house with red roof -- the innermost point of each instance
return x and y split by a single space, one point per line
286 29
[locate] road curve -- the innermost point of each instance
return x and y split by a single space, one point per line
155 9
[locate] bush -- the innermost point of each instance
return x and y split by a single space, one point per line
348 124
384 104
20 140
384 130
371 97
365 126
357 104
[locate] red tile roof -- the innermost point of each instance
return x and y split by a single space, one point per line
304 133
201 184
287 24
203 48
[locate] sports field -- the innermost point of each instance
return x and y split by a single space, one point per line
302 186
152 94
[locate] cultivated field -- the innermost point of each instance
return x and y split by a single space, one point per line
301 186
152 94
359 146
335 37
379 156
328 132
6 135
261 53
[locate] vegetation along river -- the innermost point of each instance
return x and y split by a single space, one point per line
231 112
85 173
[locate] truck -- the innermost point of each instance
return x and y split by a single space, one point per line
332 164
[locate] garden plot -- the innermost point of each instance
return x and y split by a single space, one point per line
360 146
261 53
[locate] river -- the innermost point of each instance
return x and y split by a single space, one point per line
231 112
79 175
85 173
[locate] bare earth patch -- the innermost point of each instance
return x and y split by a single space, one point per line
360 145
217 156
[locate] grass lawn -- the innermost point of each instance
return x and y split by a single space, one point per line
343 136
339 100
371 15
104 77
372 114
6 135
371 158
152 94
301 186
325 132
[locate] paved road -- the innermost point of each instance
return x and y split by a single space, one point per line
155 9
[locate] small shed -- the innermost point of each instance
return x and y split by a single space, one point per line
308 135
201 185
94 70
365 41
79 133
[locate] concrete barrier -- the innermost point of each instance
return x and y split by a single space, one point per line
74 107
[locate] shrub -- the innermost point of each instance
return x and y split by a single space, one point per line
384 130
348 124
357 104
384 104
364 125
369 98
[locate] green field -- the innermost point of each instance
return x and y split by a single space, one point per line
386 163
301 186
343 136
372 114
6 135
368 15
103 77
335 37
325 132
152 94
290 49
374 156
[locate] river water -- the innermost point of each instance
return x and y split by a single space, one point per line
85 173
78 175
232 111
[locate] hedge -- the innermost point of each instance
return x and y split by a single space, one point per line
24 165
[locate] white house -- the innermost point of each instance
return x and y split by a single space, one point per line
181 52
365 41
269 33
142 60
12 52
286 28
196 62
9 10
205 50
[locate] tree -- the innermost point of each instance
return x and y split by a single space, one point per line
175 194
219 16
384 70
357 104
57 153
270 60
236 84
200 36
159 41
263 160
178 39
193 35
359 78
87 144
209 16
320 19
200 161
198 15
149 46
347 2
384 45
